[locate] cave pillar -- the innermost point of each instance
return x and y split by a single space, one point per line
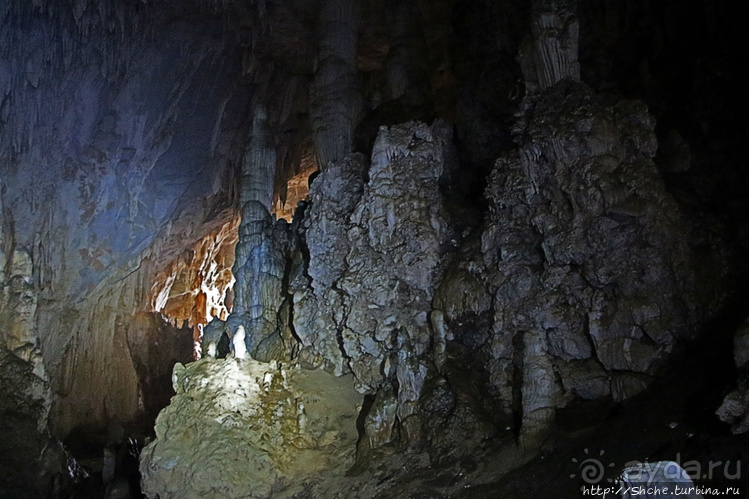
407 64
552 54
335 101
258 167
260 260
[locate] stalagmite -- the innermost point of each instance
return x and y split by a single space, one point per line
240 350
260 259
474 274
539 390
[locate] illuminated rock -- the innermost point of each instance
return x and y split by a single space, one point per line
664 479
243 428
193 288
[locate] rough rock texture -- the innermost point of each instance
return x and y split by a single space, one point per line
259 323
362 303
196 287
735 407
28 454
114 151
32 463
574 288
585 255
553 44
243 428
133 133
260 305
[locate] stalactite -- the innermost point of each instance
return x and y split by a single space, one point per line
335 99
407 64
193 287
259 164
552 55
109 144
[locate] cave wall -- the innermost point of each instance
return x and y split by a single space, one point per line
103 184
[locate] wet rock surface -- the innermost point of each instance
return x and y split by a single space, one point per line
243 428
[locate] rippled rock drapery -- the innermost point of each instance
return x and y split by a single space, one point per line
122 129
553 49
196 287
243 428
261 259
334 96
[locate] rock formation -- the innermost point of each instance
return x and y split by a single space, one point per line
334 99
585 254
243 428
374 257
506 214
261 252
102 189
735 407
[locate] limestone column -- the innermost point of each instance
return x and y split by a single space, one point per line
407 64
552 54
260 262
335 101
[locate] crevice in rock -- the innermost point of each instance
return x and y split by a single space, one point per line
366 406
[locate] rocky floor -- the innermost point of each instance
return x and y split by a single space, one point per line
591 443
673 420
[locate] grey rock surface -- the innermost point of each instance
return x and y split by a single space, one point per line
735 407
584 253
133 132
374 259
244 428
114 150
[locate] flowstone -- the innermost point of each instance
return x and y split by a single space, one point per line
244 428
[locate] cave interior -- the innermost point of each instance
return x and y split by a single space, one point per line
370 248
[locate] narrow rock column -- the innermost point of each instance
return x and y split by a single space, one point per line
407 65
539 390
259 165
335 99
552 54
260 261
